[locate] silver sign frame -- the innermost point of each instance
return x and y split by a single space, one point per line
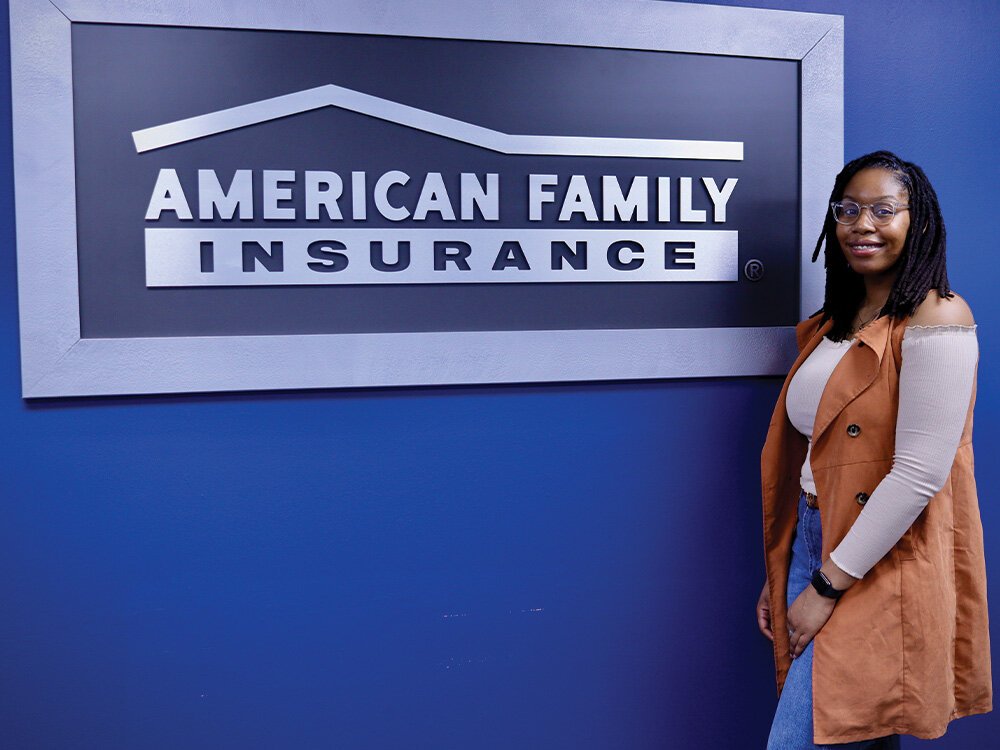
56 361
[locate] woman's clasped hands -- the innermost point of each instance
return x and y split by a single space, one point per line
806 617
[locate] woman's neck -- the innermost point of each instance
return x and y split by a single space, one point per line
877 289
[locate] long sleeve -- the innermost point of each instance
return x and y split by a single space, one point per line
935 388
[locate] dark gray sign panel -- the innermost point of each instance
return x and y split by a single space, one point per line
267 200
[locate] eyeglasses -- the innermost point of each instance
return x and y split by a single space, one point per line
848 212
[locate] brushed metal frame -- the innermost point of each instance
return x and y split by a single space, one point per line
55 361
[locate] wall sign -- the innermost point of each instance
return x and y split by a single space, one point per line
244 197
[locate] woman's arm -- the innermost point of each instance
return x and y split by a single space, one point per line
940 353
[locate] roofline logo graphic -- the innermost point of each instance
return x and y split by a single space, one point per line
223 120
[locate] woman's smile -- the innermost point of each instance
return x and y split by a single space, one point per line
864 248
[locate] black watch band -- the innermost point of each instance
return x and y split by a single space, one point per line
822 585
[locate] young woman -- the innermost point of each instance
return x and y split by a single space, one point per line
875 598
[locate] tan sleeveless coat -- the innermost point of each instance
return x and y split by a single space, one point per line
906 649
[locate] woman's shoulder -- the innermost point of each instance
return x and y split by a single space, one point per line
936 310
806 329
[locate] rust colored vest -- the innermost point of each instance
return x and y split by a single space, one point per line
906 649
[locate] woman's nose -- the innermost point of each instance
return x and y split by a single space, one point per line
864 222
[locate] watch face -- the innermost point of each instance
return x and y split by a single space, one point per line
822 584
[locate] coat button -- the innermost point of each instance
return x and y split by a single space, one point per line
853 430
861 497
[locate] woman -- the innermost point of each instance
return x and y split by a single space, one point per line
875 598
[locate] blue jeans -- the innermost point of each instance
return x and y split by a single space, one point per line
792 728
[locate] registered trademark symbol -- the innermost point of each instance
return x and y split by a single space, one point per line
753 270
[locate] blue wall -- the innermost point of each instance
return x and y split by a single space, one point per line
543 567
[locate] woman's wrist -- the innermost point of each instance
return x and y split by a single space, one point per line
838 578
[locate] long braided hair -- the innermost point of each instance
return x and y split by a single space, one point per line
921 265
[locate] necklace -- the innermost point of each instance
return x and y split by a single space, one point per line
869 321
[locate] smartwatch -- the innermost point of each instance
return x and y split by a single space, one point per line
822 585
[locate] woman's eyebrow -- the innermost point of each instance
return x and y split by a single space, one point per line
880 198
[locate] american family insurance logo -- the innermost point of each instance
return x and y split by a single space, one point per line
467 245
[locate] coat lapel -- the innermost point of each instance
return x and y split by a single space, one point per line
853 374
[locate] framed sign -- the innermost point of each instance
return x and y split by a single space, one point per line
246 196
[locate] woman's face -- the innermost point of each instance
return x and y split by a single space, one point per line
873 249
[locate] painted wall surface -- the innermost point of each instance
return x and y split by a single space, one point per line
568 566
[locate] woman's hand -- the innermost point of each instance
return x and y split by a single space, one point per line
764 612
806 617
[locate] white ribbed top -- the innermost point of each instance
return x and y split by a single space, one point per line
805 391
935 388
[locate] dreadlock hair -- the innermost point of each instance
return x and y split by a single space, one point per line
921 264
